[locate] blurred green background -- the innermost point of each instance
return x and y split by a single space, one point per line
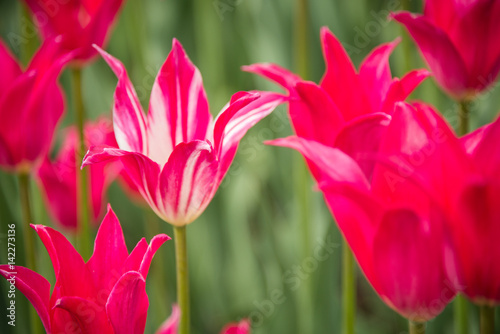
244 249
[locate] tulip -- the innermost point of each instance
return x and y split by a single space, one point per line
457 41
171 324
105 295
349 109
82 23
178 155
31 104
395 222
58 177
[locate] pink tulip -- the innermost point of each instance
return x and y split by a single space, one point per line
81 22
395 223
458 40
349 109
171 325
58 177
31 104
177 155
105 295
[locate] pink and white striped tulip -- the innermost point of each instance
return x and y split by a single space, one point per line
177 155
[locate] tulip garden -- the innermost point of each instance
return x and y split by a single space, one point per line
241 166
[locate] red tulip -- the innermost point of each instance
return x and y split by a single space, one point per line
177 156
394 223
459 42
171 325
105 295
58 177
81 22
31 104
349 109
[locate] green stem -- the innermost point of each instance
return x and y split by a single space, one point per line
301 43
29 43
301 38
407 45
460 303
349 290
463 117
29 240
416 327
181 262
487 319
83 197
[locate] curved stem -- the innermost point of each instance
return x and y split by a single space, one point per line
83 197
181 262
487 319
416 327
348 289
29 240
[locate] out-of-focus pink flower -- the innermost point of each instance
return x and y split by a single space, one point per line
81 22
58 177
396 223
31 104
105 295
177 155
349 109
171 325
459 41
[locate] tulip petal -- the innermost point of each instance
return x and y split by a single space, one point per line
9 67
278 74
128 304
486 155
34 287
441 12
375 74
110 253
315 116
400 89
439 52
235 120
188 182
408 258
330 164
421 143
128 116
85 315
58 181
63 14
178 110
154 245
171 325
141 170
69 268
361 138
475 222
243 327
340 79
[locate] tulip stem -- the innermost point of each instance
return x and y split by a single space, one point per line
29 41
487 319
349 290
460 303
463 117
181 262
416 327
29 241
83 197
